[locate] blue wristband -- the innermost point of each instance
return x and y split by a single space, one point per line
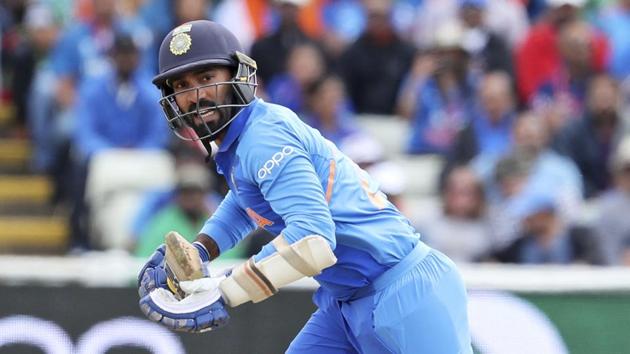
203 252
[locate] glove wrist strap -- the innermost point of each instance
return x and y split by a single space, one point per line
203 252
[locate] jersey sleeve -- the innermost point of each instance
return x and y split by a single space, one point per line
228 225
283 171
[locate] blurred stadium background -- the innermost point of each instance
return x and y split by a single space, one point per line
499 127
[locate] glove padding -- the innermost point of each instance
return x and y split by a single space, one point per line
153 274
201 310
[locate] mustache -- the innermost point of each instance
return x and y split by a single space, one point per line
201 105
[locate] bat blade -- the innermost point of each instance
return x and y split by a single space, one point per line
182 262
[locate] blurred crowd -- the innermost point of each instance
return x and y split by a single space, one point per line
526 102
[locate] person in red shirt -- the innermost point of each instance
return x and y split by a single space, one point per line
538 56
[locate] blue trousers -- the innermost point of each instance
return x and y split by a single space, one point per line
418 306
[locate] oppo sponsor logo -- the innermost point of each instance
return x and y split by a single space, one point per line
274 161
100 338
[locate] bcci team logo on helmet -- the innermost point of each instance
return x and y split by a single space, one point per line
181 41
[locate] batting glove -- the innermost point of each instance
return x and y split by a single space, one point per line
201 310
153 274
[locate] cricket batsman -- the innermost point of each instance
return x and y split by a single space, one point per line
382 289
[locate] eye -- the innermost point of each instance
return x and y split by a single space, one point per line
179 85
207 78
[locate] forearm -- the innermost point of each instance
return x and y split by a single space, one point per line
227 227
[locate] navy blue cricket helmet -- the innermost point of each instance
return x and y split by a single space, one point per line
194 46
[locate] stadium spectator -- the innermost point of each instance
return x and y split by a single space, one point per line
613 207
187 210
373 67
487 50
589 141
531 137
80 55
507 18
33 81
544 168
327 109
111 107
460 229
538 57
185 154
509 179
41 31
437 94
272 50
305 65
116 110
487 135
614 21
82 52
548 239
560 98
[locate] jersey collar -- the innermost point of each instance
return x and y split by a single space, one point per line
236 127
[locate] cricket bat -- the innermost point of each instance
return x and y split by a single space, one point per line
182 262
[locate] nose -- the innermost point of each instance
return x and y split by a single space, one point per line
196 95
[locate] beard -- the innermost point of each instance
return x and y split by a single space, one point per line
203 127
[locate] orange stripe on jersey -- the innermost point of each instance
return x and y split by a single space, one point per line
375 198
259 220
331 179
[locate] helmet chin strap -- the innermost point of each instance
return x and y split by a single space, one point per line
206 147
210 148
213 149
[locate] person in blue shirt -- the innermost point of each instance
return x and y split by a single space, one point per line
328 109
114 110
382 289
437 96
81 53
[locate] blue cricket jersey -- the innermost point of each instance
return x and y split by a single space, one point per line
286 178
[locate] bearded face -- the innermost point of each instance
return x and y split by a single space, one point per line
204 100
